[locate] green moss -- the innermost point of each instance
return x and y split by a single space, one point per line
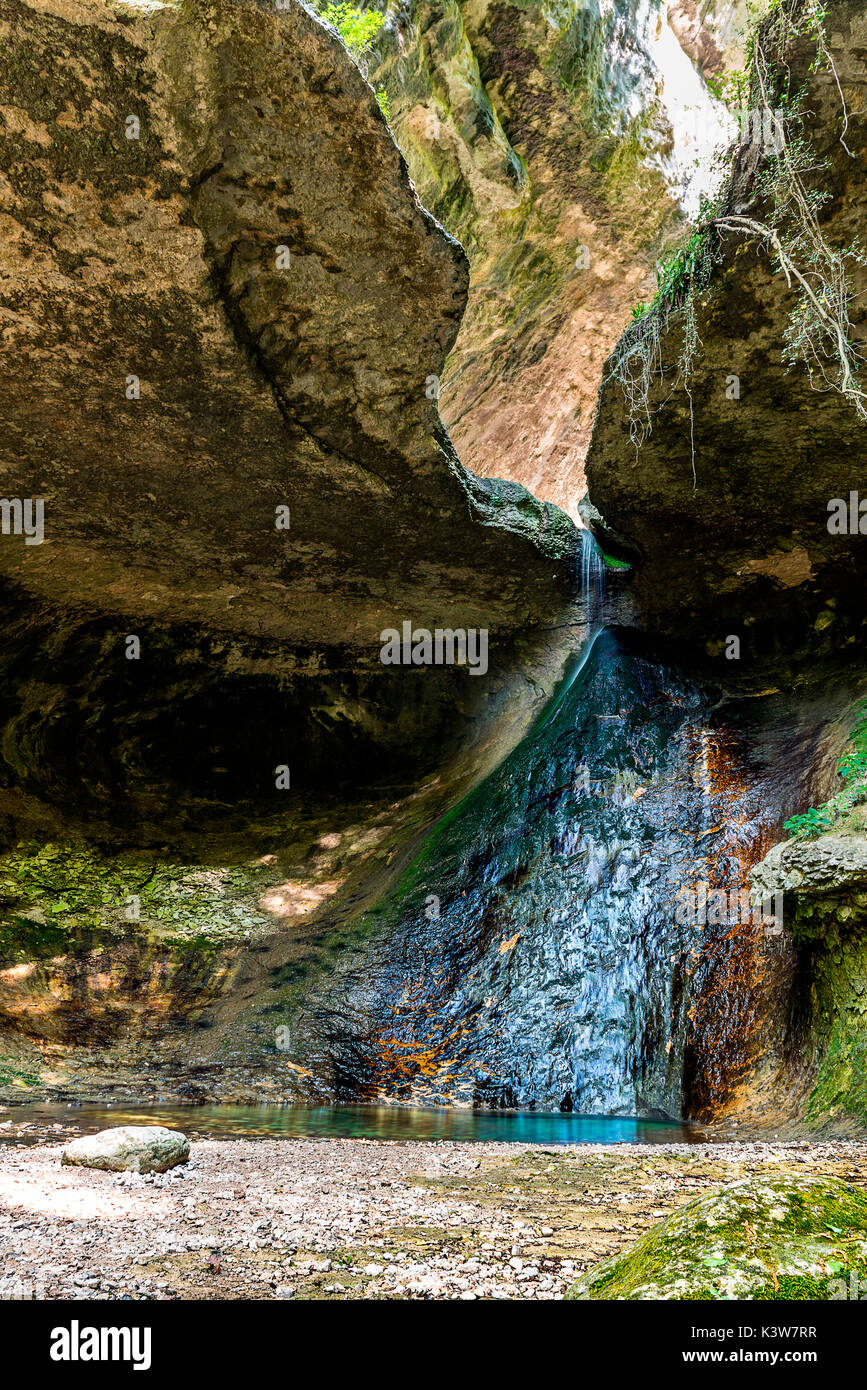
771 1239
12 1075
612 563
56 894
837 967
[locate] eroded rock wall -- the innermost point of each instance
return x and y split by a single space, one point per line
221 297
823 884
726 500
537 135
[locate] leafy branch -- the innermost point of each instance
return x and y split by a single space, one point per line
852 767
357 28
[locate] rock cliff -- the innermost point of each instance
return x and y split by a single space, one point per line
222 305
539 136
723 488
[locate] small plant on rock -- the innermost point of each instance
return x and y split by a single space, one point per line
852 767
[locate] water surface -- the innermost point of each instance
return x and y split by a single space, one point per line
348 1122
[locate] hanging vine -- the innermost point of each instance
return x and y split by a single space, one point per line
819 331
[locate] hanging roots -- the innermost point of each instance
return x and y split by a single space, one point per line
819 332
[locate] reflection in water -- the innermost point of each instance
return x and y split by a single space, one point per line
353 1122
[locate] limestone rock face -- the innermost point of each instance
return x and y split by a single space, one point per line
130 1148
157 258
536 135
823 883
710 31
222 308
830 868
735 540
777 1237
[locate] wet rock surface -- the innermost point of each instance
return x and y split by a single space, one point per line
541 949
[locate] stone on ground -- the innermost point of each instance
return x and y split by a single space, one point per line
778 1237
134 1148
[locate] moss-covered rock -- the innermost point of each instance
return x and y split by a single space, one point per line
48 891
823 882
762 1238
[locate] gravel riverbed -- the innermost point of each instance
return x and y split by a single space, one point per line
356 1218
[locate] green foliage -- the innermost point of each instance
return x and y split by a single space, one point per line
638 361
809 823
838 987
355 27
853 770
733 88
853 764
681 270
686 266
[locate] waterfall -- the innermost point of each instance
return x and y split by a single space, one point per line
592 580
592 597
536 952
556 970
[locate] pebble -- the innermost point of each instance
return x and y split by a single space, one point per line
329 1215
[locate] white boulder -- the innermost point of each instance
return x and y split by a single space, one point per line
133 1148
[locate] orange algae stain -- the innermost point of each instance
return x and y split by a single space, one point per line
302 1071
401 1060
726 1030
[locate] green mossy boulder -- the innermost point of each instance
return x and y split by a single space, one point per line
778 1237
